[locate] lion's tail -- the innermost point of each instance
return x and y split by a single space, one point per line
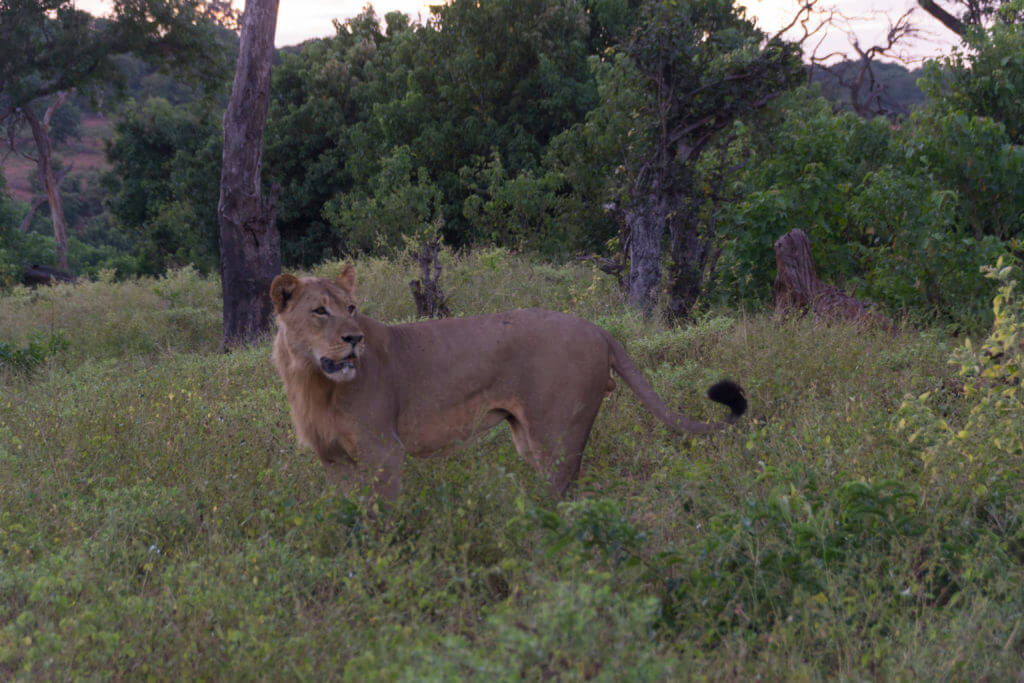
725 391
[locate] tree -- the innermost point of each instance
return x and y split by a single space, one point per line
695 67
972 13
501 77
49 49
890 212
480 87
250 246
317 140
985 77
863 78
163 188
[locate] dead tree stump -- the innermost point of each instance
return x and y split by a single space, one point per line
426 292
611 266
798 288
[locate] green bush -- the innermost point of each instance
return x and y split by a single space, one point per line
974 456
36 352
904 217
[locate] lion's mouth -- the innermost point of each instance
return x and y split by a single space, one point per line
339 370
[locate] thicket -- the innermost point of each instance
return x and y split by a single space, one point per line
519 138
864 521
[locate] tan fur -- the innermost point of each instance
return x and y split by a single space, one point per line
364 394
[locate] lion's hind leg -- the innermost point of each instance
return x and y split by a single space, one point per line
554 447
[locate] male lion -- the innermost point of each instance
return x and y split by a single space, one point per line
363 394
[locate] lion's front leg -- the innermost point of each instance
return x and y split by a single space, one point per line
342 470
377 468
386 474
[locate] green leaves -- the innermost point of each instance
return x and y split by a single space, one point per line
905 216
400 201
164 183
37 351
478 82
975 455
985 77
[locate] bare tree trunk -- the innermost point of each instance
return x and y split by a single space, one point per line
38 202
41 135
690 251
250 245
646 223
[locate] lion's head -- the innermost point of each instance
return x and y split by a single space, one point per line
320 322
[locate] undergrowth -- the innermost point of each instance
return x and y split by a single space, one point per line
157 518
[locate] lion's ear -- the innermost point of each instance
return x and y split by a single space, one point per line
283 289
347 279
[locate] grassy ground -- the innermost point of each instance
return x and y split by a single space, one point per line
157 518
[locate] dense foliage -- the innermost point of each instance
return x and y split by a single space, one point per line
888 212
533 126
163 186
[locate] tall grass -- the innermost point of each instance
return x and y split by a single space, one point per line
158 519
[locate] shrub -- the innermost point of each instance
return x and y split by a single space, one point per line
36 352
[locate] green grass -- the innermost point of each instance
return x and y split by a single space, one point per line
158 519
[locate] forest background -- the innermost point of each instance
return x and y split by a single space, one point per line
528 126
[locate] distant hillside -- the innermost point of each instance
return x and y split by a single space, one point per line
901 92
83 152
89 130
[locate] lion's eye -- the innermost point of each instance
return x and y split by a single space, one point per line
351 309
320 310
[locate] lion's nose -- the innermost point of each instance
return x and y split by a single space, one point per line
352 339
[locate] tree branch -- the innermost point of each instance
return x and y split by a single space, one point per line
948 20
62 97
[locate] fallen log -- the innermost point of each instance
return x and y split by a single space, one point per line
37 274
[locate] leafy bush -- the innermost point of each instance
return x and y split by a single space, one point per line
975 458
904 217
985 75
401 201
33 354
164 182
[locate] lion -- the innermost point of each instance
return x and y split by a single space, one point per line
364 394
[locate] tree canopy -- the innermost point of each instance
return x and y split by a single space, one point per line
673 141
50 49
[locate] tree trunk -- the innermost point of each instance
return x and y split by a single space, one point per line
41 135
690 251
426 292
38 202
250 245
646 223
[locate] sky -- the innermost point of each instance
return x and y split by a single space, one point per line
868 20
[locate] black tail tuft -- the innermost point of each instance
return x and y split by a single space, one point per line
729 393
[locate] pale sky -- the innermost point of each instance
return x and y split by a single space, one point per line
867 19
